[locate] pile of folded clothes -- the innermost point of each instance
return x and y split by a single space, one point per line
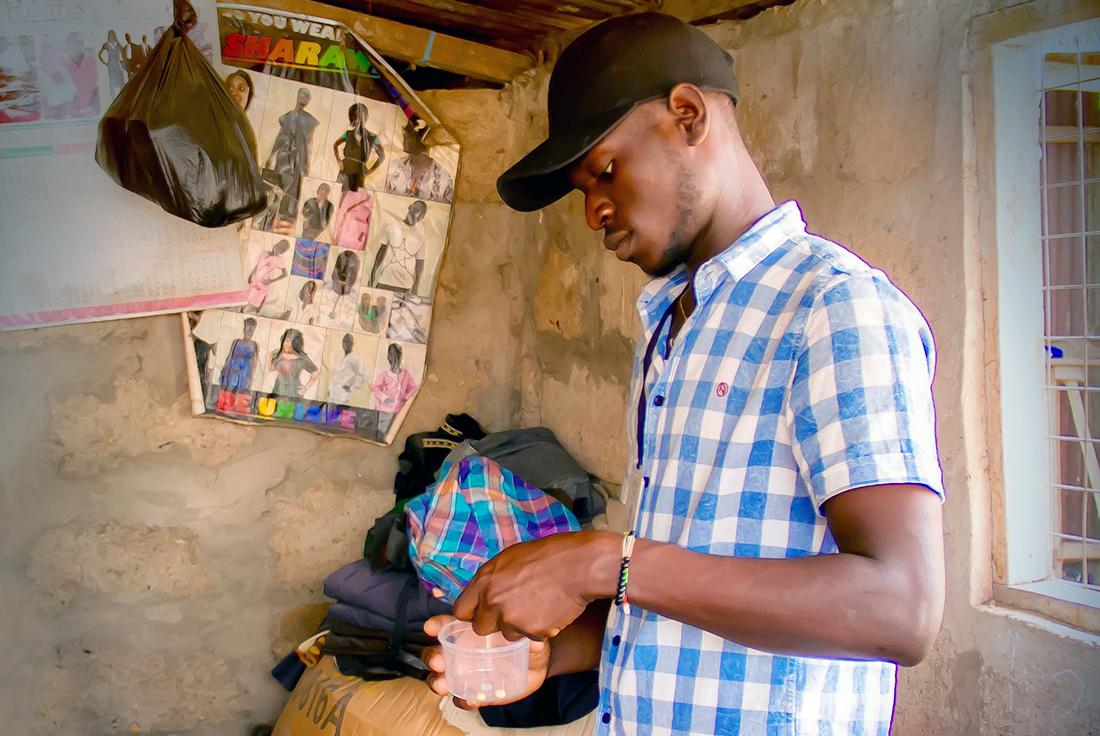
461 496
374 630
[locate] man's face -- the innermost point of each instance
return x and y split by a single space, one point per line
415 214
303 97
322 191
411 141
639 191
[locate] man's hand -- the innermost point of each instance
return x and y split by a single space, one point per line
536 589
538 662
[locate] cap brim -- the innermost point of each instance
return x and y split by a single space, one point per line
542 176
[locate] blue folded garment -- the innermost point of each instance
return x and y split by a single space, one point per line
376 596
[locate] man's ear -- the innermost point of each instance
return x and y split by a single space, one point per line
688 106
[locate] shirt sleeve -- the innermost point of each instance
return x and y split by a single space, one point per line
861 397
393 179
408 386
390 234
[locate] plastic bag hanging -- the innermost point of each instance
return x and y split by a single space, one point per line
176 137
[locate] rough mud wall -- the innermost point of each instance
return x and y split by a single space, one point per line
581 326
152 565
854 108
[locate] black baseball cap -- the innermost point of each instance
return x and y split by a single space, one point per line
601 76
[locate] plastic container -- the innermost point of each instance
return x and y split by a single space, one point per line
483 669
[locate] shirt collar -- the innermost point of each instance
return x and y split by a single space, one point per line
777 227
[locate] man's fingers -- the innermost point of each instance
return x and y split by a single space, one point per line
485 622
438 685
466 604
433 658
463 704
435 623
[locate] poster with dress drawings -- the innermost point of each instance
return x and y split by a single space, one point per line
341 266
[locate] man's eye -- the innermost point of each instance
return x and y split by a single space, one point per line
608 170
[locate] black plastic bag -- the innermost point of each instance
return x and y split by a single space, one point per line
176 137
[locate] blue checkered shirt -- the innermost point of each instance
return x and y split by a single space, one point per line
802 373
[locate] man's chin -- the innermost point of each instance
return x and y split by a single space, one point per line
660 270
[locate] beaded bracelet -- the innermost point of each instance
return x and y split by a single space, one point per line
621 599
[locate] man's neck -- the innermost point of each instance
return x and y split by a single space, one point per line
743 199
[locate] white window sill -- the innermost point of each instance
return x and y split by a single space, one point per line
1056 600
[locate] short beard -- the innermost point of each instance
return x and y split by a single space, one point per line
679 240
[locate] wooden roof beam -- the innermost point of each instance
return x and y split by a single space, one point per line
711 11
483 15
412 44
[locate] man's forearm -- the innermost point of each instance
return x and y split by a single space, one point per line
838 606
857 605
577 647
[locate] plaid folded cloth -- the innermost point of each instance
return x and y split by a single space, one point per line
475 510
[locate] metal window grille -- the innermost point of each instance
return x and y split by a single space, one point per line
1070 182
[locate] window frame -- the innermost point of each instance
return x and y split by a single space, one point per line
1004 78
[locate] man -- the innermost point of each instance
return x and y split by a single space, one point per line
348 376
316 213
134 55
399 263
789 547
289 158
417 175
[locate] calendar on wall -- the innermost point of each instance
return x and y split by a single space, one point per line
340 268
76 247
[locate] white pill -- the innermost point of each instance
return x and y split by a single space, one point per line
481 697
500 693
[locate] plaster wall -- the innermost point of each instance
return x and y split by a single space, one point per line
153 566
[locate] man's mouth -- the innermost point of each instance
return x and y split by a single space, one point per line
618 243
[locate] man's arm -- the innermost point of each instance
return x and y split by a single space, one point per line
376 144
416 278
377 263
880 597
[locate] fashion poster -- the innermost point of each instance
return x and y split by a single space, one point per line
76 247
342 264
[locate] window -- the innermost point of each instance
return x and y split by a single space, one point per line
1046 102
1071 281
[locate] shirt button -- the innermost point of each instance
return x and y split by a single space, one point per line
615 640
606 718
658 400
